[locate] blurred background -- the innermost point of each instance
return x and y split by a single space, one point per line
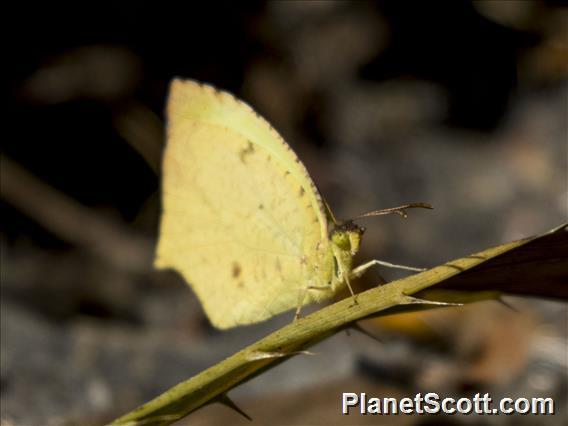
459 104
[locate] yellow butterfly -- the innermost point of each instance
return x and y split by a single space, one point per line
242 220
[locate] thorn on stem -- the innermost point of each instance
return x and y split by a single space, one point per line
258 355
507 304
228 402
361 330
410 300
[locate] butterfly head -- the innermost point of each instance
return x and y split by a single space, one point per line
347 236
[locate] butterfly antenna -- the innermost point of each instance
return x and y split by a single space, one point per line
400 210
329 212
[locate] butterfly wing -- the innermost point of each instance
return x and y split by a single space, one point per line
242 220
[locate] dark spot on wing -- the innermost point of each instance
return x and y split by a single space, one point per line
287 172
236 272
302 191
260 206
278 265
243 153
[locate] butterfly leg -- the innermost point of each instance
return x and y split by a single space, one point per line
347 279
360 270
343 272
302 296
